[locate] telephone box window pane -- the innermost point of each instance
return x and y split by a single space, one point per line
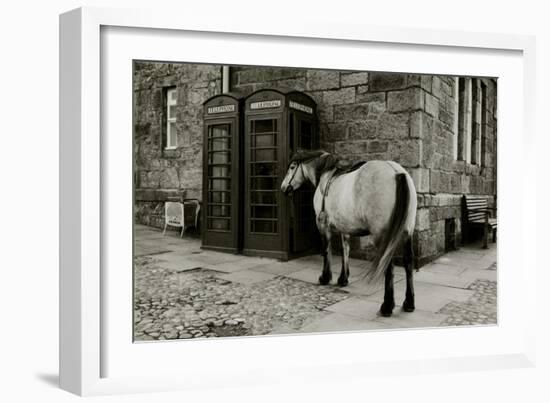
264 198
264 126
264 155
219 131
264 211
305 135
219 211
219 157
219 144
219 171
264 169
264 140
219 224
219 184
219 197
263 226
266 183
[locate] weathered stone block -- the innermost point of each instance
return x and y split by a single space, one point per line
298 84
326 112
362 129
431 105
414 80
387 81
376 146
456 185
410 99
278 73
339 97
376 108
393 125
149 179
336 131
322 80
446 88
351 112
436 86
422 219
378 97
362 89
406 152
169 179
351 147
421 179
426 82
350 79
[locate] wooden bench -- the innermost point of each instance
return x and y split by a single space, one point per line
477 213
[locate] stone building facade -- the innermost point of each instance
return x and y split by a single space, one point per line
442 129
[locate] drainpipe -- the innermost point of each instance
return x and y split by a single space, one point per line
225 79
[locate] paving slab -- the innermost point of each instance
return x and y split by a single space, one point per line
182 265
428 297
363 288
441 268
242 264
277 268
214 258
246 277
356 307
309 275
406 320
445 279
474 274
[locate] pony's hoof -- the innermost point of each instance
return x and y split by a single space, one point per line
386 309
408 306
342 282
324 280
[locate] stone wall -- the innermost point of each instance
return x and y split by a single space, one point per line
161 174
408 118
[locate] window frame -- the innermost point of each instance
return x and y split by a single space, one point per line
170 102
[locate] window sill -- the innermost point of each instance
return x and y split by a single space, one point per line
170 148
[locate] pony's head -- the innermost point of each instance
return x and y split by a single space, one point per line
304 165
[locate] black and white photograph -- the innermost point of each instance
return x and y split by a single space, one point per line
275 200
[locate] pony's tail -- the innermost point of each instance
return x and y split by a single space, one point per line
395 230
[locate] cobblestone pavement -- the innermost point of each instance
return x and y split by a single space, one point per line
480 309
196 303
183 292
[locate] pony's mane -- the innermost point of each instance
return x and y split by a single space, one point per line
326 163
306 155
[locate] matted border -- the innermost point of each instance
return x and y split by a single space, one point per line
81 343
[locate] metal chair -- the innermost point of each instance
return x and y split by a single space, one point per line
174 216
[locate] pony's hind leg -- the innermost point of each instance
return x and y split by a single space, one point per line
326 251
389 302
408 260
344 274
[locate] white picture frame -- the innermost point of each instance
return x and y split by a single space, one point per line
88 313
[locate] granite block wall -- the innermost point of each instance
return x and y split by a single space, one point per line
409 118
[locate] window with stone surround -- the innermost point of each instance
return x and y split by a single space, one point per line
483 161
475 137
465 124
171 137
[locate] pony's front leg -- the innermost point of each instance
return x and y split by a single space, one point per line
326 251
344 274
